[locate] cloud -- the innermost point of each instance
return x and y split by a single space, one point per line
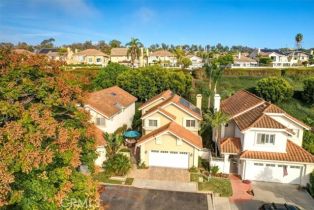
145 14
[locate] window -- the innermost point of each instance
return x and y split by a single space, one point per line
295 167
152 123
98 60
296 132
270 165
90 60
258 164
190 123
100 121
265 138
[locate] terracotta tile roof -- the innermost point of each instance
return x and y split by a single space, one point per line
23 51
119 51
239 102
231 145
110 101
177 130
248 110
294 153
165 95
91 52
158 109
162 53
99 137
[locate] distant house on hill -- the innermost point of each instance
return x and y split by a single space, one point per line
162 57
51 53
120 55
242 61
88 56
197 62
278 59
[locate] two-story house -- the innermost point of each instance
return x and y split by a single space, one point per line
262 142
163 58
170 132
197 62
242 61
109 109
88 56
278 59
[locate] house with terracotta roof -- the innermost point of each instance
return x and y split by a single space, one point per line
163 58
197 62
88 56
242 61
120 55
109 109
170 132
278 60
261 141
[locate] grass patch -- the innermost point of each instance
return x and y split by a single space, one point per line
104 177
129 181
194 177
217 185
298 109
125 150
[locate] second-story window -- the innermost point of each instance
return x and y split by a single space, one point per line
190 123
100 121
263 138
152 123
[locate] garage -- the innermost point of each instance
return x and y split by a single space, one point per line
272 172
171 159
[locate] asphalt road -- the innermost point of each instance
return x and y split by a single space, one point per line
122 198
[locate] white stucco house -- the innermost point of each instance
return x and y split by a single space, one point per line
110 109
262 142
163 58
241 61
278 60
197 62
298 57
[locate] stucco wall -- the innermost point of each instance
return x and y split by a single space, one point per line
250 141
168 142
118 120
161 120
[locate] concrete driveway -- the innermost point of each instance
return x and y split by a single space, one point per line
157 173
274 192
122 198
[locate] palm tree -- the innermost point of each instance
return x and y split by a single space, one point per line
134 49
298 40
215 121
114 142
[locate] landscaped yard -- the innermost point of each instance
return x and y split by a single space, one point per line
217 185
105 178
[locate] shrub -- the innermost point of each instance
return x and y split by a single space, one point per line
308 92
257 72
308 141
214 170
274 89
311 185
142 166
118 165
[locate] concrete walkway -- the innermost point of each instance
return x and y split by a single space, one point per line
165 185
222 203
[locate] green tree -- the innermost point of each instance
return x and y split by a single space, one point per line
298 39
214 121
186 62
308 91
47 43
274 89
114 43
108 75
265 61
308 141
114 142
118 165
134 49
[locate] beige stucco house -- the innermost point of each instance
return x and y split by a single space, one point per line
163 58
88 56
170 132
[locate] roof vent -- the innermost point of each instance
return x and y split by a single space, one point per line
113 94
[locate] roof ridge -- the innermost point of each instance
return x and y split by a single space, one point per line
252 94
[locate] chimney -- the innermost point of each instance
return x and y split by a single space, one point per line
311 53
217 102
258 51
239 55
199 101
141 58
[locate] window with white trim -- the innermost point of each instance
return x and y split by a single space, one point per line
190 123
270 165
263 138
258 164
100 121
152 123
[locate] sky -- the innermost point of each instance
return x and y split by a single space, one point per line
253 23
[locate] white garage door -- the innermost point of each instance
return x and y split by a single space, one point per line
271 172
169 159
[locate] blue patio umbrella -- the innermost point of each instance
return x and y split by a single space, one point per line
131 134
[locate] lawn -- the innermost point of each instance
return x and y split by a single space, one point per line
105 178
217 185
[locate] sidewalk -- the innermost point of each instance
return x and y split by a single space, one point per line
165 185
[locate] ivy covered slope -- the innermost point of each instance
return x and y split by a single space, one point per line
43 136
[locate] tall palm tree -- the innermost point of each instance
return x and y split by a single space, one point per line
298 40
134 49
215 121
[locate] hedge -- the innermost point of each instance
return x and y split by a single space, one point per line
259 72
